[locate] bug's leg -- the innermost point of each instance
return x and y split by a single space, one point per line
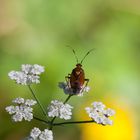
67 78
87 81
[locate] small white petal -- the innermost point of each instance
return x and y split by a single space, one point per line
18 76
62 85
109 112
98 106
86 89
35 79
35 132
12 75
26 108
17 117
98 119
26 68
28 116
21 78
10 109
107 121
37 69
68 90
88 109
18 100
65 112
32 79
53 112
30 102
46 135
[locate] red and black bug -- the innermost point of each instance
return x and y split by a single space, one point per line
76 81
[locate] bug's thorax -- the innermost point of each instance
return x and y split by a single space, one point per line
78 70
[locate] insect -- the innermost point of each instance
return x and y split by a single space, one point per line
76 81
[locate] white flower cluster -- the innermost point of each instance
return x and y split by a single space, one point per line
59 109
37 134
22 110
99 114
68 90
29 74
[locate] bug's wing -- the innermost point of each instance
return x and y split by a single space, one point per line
80 79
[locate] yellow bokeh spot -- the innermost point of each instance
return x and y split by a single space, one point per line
123 127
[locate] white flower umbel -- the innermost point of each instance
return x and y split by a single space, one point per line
37 134
22 110
68 90
29 74
99 114
58 109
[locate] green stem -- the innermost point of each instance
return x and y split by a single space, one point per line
68 98
74 122
64 123
42 108
41 120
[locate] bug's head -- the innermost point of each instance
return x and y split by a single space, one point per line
78 69
78 65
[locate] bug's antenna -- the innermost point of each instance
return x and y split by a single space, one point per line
86 55
74 54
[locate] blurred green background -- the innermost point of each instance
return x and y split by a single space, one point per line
37 31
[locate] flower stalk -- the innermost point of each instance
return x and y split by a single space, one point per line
64 123
74 122
35 97
68 98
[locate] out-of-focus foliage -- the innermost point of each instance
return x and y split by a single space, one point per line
38 31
